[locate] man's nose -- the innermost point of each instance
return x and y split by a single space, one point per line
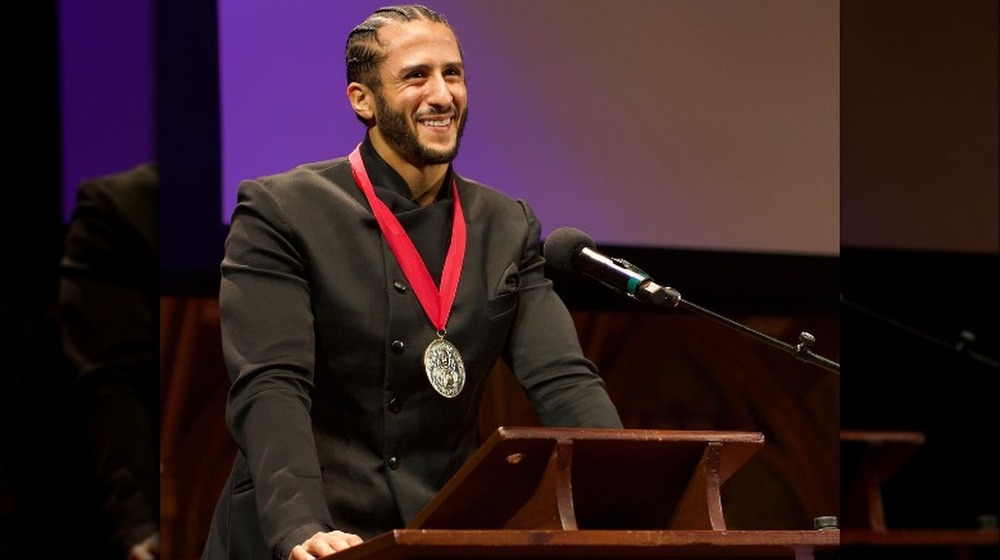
439 92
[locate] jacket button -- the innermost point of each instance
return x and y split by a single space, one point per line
398 346
394 405
393 463
400 287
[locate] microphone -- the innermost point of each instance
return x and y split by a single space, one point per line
568 249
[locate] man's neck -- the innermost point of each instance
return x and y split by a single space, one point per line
424 181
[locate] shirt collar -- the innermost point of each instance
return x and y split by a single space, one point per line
386 180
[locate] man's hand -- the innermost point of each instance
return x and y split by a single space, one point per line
148 549
324 544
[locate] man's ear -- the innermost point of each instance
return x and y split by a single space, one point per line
362 100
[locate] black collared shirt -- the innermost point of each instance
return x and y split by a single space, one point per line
429 227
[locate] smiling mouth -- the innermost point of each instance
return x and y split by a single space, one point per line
442 122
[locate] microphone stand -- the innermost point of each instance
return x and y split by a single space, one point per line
659 295
960 348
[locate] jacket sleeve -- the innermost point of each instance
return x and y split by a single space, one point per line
544 351
268 344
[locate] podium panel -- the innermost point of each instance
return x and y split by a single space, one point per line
570 478
544 493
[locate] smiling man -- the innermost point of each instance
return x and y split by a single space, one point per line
365 299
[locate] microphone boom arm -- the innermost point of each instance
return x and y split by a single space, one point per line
570 249
801 351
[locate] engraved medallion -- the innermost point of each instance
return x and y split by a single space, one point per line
442 361
444 366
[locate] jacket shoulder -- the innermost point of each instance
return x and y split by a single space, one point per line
307 172
485 197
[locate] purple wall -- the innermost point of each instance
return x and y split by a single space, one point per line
680 123
107 73
703 124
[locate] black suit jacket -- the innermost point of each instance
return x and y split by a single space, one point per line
330 406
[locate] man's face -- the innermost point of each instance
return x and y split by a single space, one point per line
422 104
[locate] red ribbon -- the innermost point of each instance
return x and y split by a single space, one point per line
436 302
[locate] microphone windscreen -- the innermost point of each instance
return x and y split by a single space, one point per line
562 245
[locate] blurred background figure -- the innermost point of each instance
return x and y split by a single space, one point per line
109 324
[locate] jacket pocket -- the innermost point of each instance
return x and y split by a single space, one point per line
504 300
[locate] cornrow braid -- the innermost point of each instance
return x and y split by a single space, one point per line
364 52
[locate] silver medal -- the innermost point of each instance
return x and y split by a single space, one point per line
444 366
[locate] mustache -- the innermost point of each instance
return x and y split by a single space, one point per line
434 112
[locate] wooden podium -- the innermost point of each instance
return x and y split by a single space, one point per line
876 456
534 493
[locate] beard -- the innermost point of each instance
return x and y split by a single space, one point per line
396 130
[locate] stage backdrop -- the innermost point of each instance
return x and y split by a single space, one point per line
680 123
107 83
673 123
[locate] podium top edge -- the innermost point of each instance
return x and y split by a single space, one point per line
723 436
883 436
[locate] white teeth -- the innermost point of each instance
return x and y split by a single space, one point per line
442 122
